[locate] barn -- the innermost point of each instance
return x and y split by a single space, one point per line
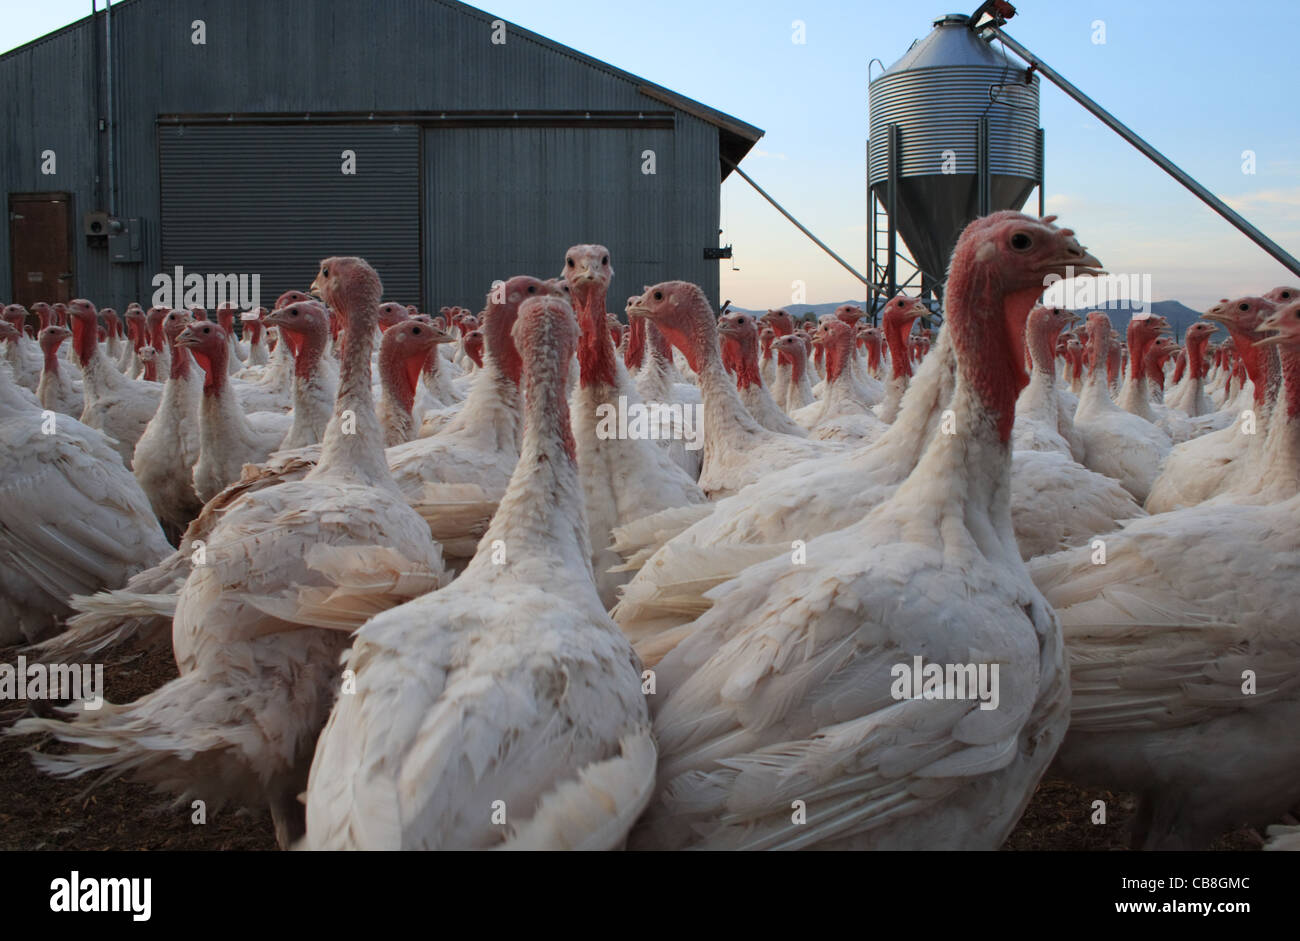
248 139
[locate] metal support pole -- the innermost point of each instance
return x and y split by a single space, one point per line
984 197
891 208
1042 173
1159 159
799 225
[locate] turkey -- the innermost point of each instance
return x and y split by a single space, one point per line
22 354
897 318
290 571
1198 469
56 390
1184 656
511 684
404 351
1189 398
117 406
1042 424
737 449
739 336
844 413
1116 443
72 518
305 328
623 478
166 453
783 690
229 438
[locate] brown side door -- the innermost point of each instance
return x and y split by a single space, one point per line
40 247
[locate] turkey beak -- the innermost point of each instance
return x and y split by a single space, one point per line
442 336
1217 316
1272 325
317 290
1075 262
638 310
187 338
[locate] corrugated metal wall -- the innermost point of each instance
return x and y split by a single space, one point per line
227 209
505 201
297 56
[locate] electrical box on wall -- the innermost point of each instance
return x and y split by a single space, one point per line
125 244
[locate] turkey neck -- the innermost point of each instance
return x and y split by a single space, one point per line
969 471
899 356
542 514
492 406
634 352
353 447
724 413
311 405
596 354
98 374
1196 358
51 354
746 363
1135 397
1277 476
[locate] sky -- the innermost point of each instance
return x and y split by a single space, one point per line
1202 85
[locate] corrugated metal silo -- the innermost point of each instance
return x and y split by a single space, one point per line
949 100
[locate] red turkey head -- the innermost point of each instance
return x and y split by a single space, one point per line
587 272
499 319
1000 266
1284 326
403 351
226 318
207 341
780 321
51 337
391 314
1283 295
849 313
683 315
290 297
474 347
349 286
302 323
173 323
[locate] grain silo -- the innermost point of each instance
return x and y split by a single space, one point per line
953 135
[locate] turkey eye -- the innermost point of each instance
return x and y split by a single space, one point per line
1243 307
325 272
415 330
605 261
293 313
532 290
659 295
570 261
1021 242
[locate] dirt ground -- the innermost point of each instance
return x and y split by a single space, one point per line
38 812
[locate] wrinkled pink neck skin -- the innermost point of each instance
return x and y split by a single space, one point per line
838 352
741 355
50 349
896 339
1196 355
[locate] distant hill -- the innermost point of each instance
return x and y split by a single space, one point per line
1179 315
